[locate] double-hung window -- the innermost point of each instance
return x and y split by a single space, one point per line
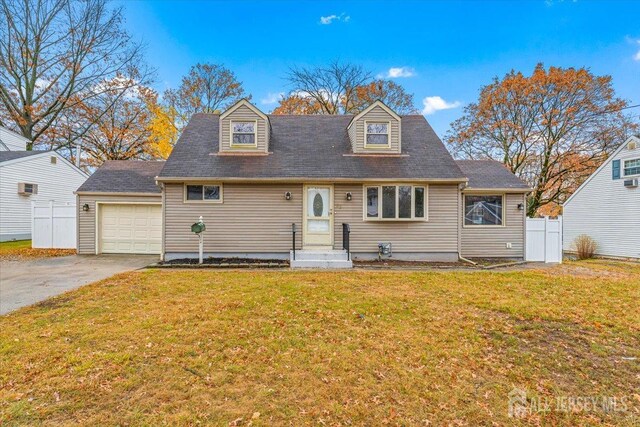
203 193
376 134
243 134
632 167
395 202
483 210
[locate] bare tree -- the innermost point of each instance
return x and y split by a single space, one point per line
552 129
54 53
207 88
332 88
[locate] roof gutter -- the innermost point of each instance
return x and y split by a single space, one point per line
112 193
497 189
178 179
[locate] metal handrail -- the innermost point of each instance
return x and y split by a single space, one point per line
346 231
293 234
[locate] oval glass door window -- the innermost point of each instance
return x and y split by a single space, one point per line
317 205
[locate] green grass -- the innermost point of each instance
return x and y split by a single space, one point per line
329 348
13 245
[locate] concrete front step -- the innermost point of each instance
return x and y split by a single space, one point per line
330 255
320 259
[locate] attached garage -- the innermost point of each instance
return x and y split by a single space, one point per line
130 229
120 209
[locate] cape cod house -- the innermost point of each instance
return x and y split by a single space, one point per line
372 178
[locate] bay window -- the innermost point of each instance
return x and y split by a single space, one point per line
395 202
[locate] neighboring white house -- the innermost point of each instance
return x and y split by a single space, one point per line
607 206
31 176
11 141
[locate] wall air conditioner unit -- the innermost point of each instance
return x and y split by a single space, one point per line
631 183
27 189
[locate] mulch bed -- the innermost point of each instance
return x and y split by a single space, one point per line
223 263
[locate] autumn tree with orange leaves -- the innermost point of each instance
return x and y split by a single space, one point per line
552 129
127 122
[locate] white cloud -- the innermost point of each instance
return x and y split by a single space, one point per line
272 98
436 103
637 55
397 72
328 20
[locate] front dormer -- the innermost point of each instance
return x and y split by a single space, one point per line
244 129
376 130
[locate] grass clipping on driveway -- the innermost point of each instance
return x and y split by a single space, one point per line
328 348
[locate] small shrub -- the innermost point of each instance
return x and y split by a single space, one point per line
585 246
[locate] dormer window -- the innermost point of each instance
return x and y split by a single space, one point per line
243 134
377 134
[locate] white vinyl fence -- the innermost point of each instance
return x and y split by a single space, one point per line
53 226
544 239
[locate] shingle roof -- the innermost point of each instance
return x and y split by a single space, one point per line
310 147
489 174
124 176
5 156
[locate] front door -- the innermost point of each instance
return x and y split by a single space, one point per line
318 216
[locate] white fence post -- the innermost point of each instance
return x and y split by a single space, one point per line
546 236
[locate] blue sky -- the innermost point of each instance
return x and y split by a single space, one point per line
445 50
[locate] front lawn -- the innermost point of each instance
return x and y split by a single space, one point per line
21 249
329 348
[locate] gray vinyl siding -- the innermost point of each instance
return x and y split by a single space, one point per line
437 235
244 113
357 135
87 220
252 218
489 242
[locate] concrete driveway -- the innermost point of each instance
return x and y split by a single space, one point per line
27 282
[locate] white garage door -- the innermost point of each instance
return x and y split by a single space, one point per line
130 229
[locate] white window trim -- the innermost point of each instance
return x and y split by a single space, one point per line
413 203
504 211
624 161
378 146
207 201
255 134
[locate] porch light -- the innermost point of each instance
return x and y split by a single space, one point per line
349 195
520 206
287 195
85 207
